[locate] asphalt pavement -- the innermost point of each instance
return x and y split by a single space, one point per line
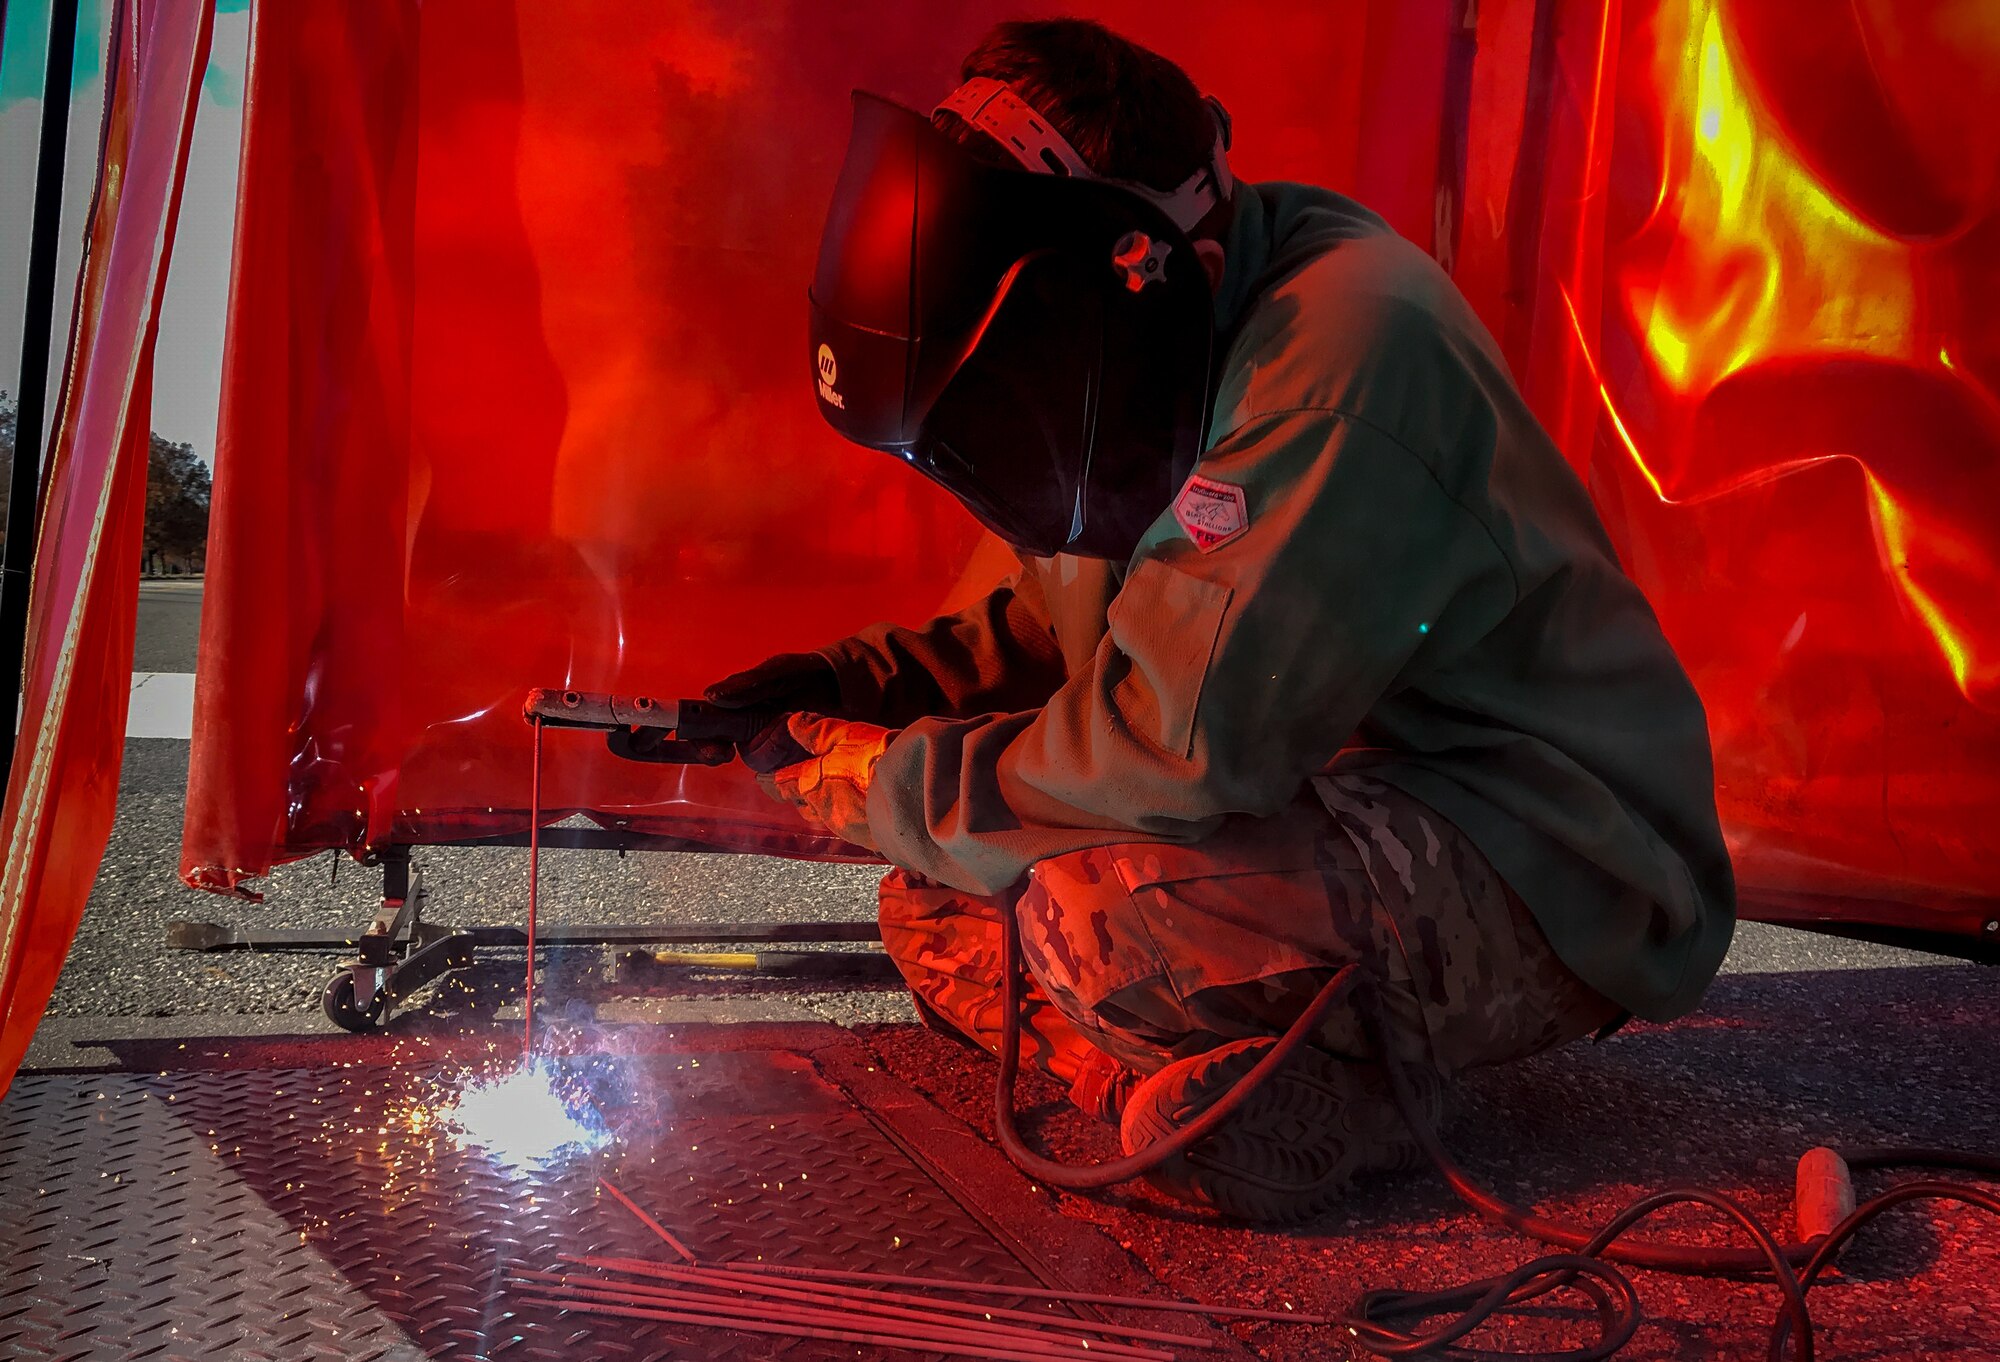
169 624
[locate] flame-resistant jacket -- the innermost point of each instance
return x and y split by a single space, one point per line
1419 589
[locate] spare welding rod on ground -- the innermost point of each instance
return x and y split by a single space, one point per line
727 1274
1035 1293
841 1327
941 1283
695 1288
750 1278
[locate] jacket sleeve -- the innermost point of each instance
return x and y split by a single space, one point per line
999 653
1226 678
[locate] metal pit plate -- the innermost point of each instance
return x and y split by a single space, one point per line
322 1212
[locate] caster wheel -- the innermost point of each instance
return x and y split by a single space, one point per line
338 1004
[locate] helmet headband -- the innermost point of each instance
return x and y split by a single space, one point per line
994 108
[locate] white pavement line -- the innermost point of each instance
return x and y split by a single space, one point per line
162 705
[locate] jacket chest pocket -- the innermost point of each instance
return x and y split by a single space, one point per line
1165 623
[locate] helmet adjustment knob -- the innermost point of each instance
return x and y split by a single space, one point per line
1139 260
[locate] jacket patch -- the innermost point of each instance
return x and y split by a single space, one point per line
1212 513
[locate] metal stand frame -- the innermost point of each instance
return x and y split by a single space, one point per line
399 952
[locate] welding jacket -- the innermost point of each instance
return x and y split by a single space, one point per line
1415 585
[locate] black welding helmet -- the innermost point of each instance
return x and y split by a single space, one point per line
1038 344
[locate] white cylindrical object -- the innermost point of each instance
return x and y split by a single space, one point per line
1824 1193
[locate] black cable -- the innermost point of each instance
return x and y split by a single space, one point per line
1561 1269
1889 1156
1610 1291
1794 1268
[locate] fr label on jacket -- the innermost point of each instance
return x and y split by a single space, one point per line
1212 513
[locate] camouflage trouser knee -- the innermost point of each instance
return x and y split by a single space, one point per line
948 946
1151 951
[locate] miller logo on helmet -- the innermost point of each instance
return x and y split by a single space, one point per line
829 371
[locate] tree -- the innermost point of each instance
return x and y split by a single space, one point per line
177 494
177 497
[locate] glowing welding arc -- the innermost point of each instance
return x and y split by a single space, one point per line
523 1118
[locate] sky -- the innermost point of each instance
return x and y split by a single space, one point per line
188 364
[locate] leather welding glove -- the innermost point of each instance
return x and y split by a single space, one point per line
822 768
789 681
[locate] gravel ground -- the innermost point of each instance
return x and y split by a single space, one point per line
1773 1064
120 966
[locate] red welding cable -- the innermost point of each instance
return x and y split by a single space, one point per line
534 888
1113 1171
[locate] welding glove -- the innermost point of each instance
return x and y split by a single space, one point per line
803 681
822 768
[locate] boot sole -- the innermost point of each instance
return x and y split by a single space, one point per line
1292 1151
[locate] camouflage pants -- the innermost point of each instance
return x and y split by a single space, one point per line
1148 952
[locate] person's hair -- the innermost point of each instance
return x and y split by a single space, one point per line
1129 112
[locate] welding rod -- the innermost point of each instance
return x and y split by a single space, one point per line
1030 1292
827 1325
666 1235
858 1313
1027 1341
849 1297
888 1300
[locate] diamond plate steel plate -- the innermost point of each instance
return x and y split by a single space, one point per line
303 1213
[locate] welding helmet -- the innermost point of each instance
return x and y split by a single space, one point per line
1032 338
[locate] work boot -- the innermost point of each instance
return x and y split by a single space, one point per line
1102 1087
1294 1147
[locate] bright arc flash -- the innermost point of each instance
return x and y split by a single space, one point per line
528 1116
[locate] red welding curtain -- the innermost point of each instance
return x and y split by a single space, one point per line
1762 317
512 395
64 782
514 389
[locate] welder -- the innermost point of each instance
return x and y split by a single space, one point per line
1317 656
